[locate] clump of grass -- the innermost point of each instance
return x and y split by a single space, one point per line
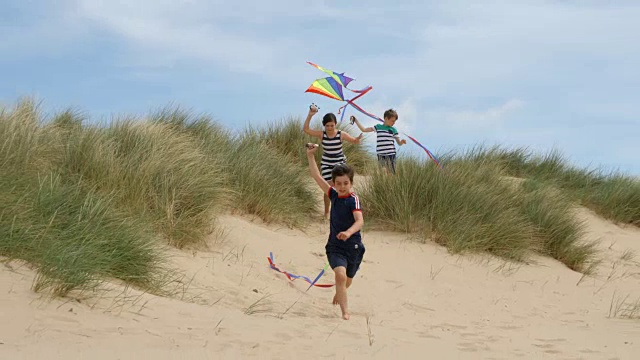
260 168
464 208
266 185
558 231
75 237
471 206
612 195
154 172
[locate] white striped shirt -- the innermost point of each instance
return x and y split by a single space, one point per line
332 149
386 136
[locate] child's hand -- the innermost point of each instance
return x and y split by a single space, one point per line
313 109
359 138
311 148
343 235
403 141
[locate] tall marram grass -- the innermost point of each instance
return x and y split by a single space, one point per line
261 178
74 237
612 195
470 207
152 171
558 232
464 208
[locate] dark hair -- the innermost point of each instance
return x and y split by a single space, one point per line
390 113
329 117
341 170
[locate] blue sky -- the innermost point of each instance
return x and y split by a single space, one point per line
541 74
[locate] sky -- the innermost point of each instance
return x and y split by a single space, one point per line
545 75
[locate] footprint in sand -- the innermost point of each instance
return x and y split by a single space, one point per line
416 308
425 334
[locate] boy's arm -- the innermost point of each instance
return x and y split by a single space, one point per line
351 139
362 128
397 137
313 169
357 226
316 133
358 223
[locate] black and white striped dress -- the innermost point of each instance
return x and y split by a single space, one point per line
332 154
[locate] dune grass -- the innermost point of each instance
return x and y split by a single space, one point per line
71 235
471 207
151 171
85 203
612 195
260 178
558 233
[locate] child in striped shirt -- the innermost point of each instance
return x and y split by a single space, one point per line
332 153
385 135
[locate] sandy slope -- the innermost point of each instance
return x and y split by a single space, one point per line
410 300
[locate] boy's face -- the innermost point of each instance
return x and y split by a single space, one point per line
390 121
342 184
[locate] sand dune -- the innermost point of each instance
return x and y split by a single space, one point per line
410 300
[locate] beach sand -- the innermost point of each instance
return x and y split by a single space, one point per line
410 300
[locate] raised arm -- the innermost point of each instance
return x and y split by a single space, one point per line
316 133
362 128
313 169
351 139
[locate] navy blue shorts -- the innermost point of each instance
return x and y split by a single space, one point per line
349 258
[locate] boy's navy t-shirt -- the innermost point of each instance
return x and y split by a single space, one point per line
342 209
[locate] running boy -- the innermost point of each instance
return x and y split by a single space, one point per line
385 135
332 153
344 247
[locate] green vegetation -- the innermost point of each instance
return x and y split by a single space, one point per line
84 203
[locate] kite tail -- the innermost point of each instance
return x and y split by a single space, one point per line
293 277
351 101
429 153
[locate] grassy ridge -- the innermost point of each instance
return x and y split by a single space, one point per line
612 195
471 207
72 236
86 203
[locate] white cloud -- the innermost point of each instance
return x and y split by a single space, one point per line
471 120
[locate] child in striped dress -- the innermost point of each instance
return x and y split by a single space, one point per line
386 134
332 154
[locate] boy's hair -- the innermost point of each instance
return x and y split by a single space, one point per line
390 113
341 170
329 117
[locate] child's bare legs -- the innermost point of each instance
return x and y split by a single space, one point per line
327 203
335 297
341 290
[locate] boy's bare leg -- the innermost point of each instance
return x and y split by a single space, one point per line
341 290
335 297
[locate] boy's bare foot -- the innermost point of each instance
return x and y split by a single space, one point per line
346 316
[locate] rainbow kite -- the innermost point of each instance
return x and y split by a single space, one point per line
332 86
293 277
